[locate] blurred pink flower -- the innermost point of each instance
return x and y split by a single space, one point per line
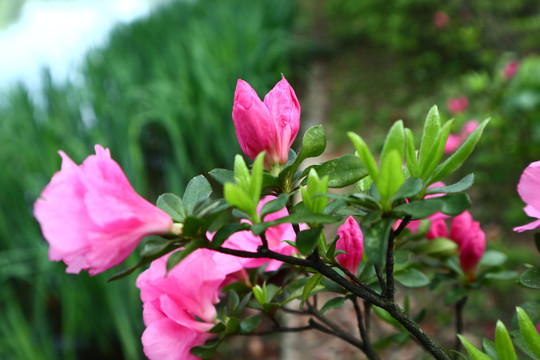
178 306
470 238
245 240
457 105
441 19
91 216
510 69
528 189
269 126
351 240
455 140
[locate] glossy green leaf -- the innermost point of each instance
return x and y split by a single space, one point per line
460 186
275 205
474 353
435 155
459 156
205 351
503 343
410 154
334 303
412 278
529 332
310 285
365 155
306 240
420 209
250 323
341 172
410 188
198 189
455 204
391 175
314 142
222 176
173 206
432 126
296 218
395 141
530 278
376 241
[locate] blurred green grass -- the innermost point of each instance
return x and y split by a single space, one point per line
159 95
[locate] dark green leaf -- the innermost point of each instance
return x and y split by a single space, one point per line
296 218
198 189
233 325
530 278
460 186
205 351
178 256
250 324
343 171
154 245
274 205
232 302
376 241
459 156
222 176
226 231
519 342
193 227
455 204
412 278
410 188
307 240
421 208
332 304
310 285
172 205
314 142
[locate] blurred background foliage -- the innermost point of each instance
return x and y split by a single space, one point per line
159 95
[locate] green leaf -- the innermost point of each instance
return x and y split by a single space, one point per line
314 142
365 155
529 332
395 141
310 285
334 303
222 176
420 209
376 241
232 302
178 256
238 198
226 231
173 206
412 278
205 351
503 343
489 348
198 189
275 205
193 227
341 172
455 204
435 155
296 218
530 278
233 325
250 323
307 240
154 245
460 186
410 188
454 295
432 126
459 156
439 247
256 180
474 353
410 153
502 275
391 176
493 258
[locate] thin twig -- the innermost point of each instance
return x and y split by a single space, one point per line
460 305
362 320
382 283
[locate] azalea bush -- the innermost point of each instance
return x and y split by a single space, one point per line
361 228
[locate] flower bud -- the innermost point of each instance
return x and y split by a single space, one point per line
470 238
351 240
269 126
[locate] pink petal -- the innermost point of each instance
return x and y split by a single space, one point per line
351 240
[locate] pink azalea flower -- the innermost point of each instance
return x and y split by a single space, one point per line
457 105
178 307
510 69
455 141
470 238
351 240
269 126
528 189
92 217
441 19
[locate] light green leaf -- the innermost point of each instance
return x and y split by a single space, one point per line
474 353
256 180
529 332
410 153
435 155
391 176
365 155
310 285
376 241
395 141
503 343
412 278
493 258
432 126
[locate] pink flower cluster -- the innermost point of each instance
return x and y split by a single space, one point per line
269 126
457 105
91 216
510 69
454 141
528 189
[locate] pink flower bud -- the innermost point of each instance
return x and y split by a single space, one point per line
91 216
351 240
510 69
528 186
457 105
441 19
470 238
438 229
269 126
